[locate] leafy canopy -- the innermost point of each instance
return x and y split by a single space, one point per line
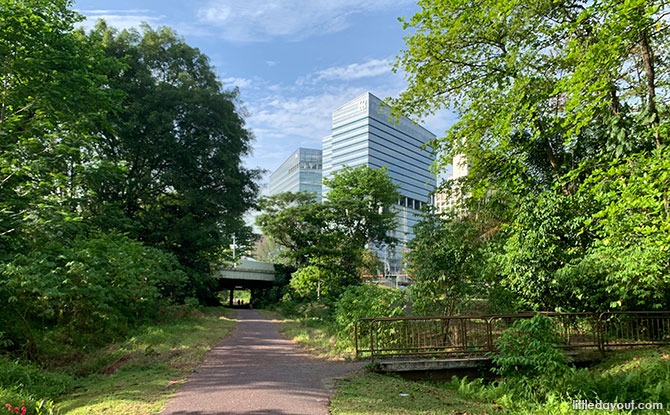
563 120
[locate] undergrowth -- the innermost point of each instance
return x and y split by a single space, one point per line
133 376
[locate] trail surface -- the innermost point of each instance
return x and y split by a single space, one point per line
256 371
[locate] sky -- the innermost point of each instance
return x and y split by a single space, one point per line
294 61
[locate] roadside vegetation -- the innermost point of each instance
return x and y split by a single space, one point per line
534 379
639 375
120 181
135 375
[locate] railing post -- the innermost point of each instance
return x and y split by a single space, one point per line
464 334
489 335
601 333
372 345
356 335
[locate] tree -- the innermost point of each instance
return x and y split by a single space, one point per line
177 143
631 251
296 221
361 199
517 71
331 238
444 261
46 130
550 95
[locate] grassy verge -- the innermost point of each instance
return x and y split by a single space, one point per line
375 394
640 375
136 376
312 335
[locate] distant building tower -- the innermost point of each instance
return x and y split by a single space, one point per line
364 134
447 201
299 173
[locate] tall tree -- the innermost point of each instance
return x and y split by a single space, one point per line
540 87
175 148
551 95
444 262
46 128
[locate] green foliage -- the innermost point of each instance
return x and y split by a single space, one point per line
359 201
443 261
632 248
563 123
28 381
52 101
366 301
136 375
89 291
528 350
295 221
549 231
328 241
314 280
120 178
179 139
642 376
629 376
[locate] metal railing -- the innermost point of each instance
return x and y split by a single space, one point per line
476 335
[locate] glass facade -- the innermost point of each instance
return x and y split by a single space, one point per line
301 172
364 134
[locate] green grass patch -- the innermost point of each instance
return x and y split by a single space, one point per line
376 394
640 375
136 376
314 336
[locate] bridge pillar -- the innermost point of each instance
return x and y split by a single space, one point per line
232 295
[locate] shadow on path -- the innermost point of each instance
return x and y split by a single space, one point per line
255 371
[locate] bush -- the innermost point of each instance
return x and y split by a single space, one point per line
635 375
367 300
87 291
528 350
25 381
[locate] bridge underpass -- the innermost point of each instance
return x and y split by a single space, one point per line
246 275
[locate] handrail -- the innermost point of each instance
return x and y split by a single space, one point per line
477 334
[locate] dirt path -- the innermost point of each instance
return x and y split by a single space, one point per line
255 371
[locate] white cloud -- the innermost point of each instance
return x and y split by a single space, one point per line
237 82
282 122
258 20
371 68
121 19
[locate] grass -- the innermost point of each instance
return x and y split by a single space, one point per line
136 376
312 335
377 394
148 367
640 375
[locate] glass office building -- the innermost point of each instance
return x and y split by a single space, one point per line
299 173
363 133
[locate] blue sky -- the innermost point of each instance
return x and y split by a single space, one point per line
294 61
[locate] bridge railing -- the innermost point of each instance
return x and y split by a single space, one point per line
620 329
477 335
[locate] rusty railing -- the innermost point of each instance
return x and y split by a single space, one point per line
476 335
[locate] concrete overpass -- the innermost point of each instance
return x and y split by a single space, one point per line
247 274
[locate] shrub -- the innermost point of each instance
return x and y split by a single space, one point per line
88 290
528 350
26 381
367 300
